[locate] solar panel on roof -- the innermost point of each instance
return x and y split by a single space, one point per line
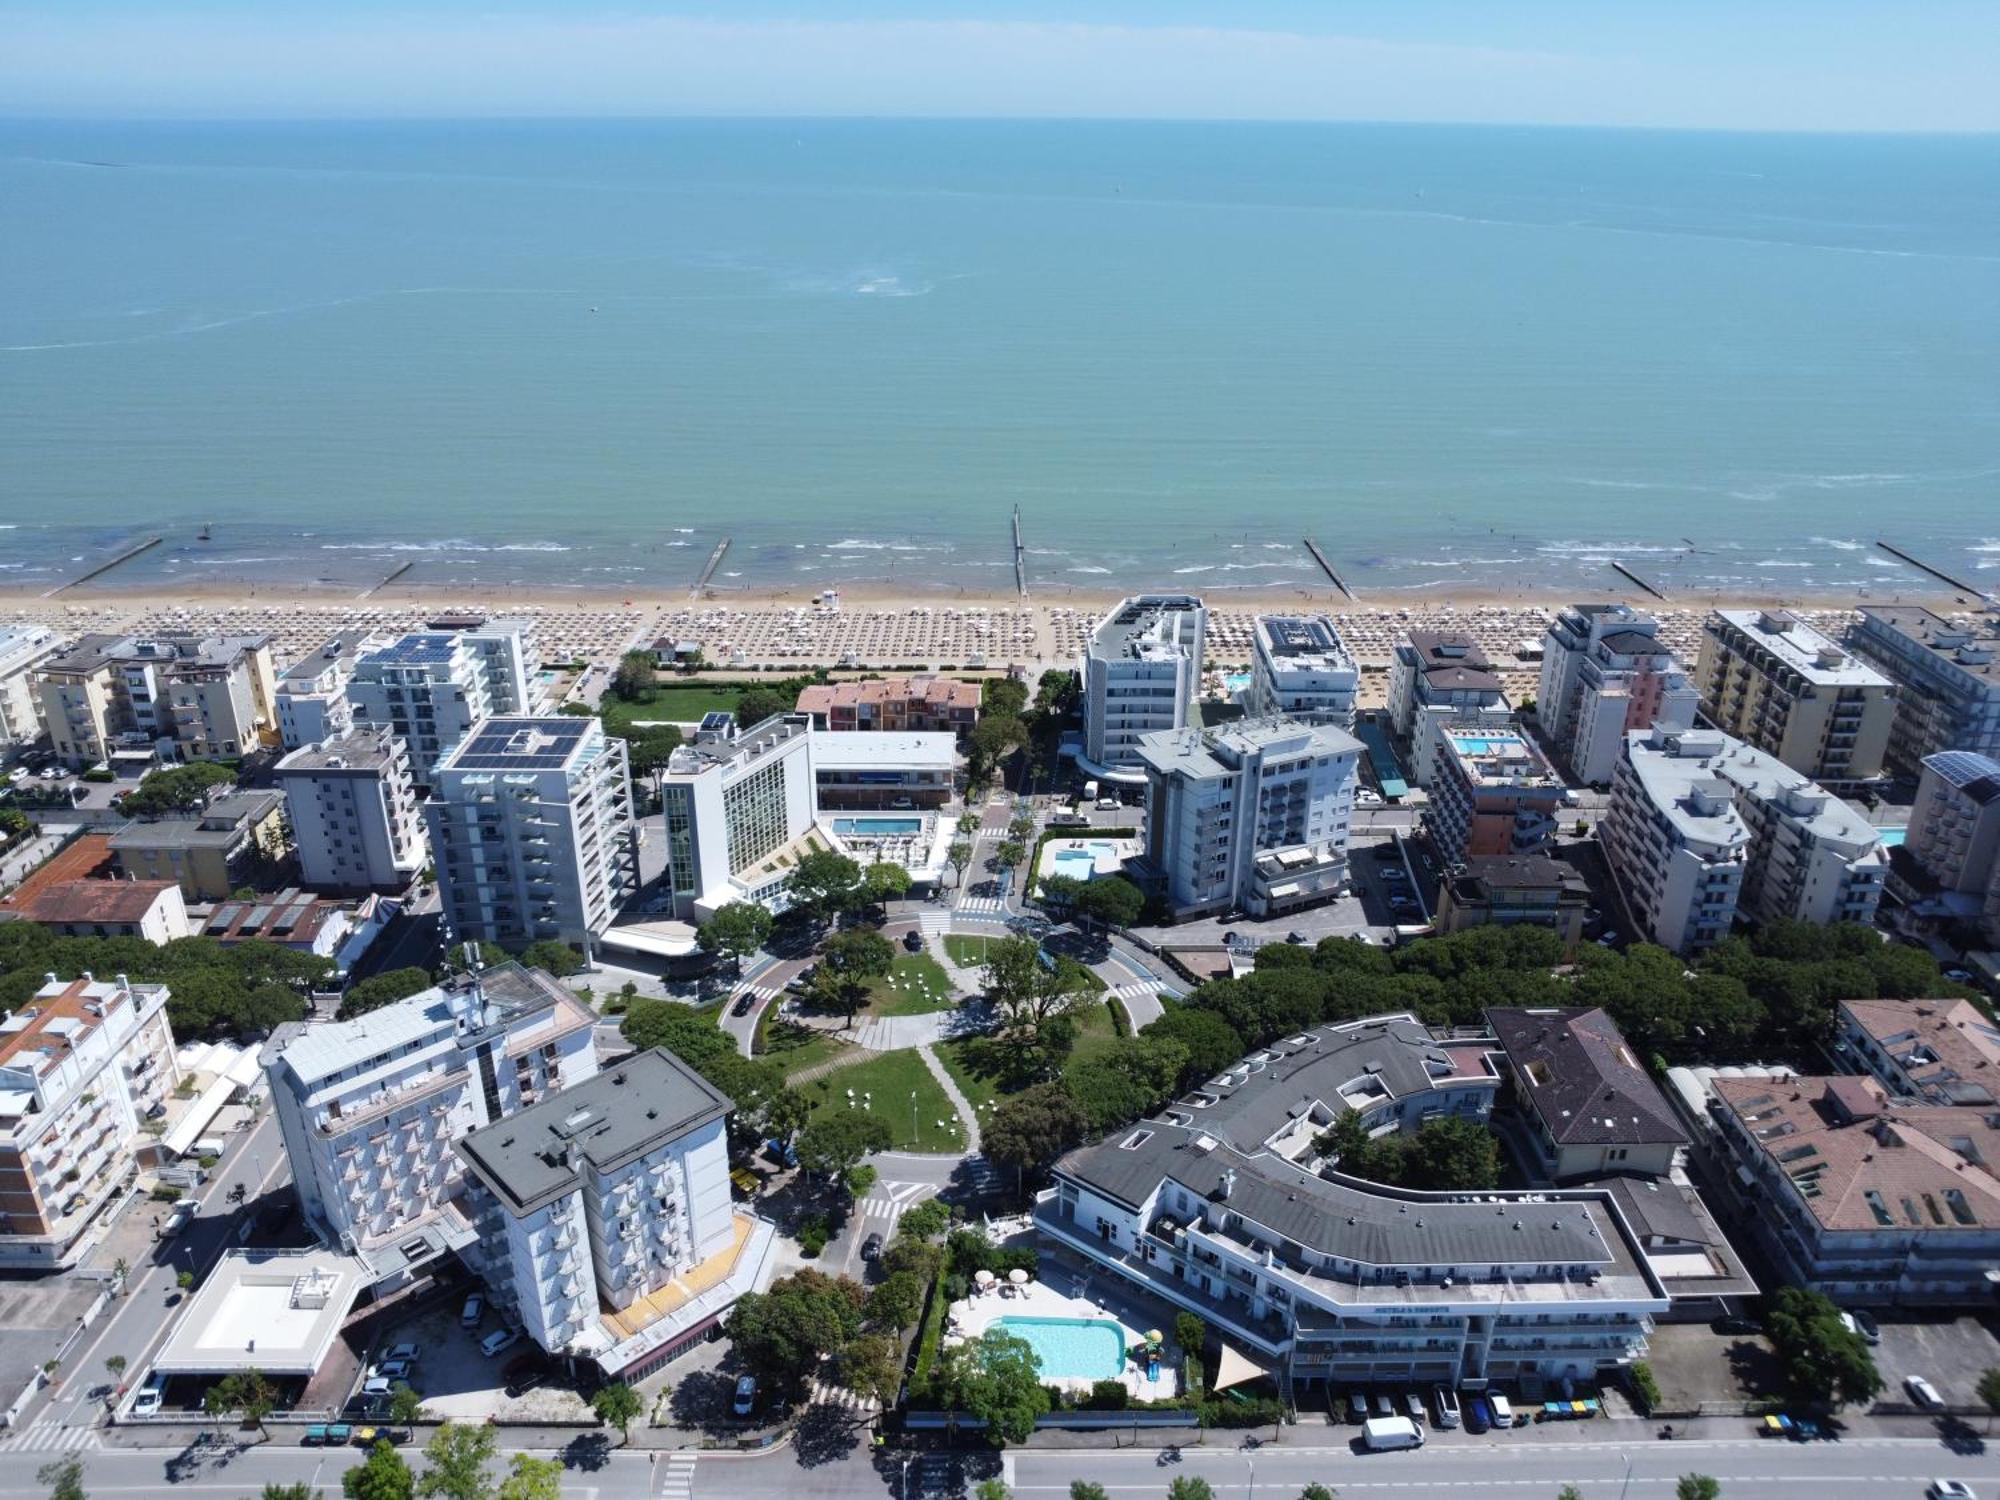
259 915
1962 768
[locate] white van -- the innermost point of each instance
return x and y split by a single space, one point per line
1503 1409
1384 1434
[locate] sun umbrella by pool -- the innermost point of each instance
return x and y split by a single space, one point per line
1018 1276
983 1277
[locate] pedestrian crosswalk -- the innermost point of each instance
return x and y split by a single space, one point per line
51 1437
890 1200
1137 990
763 992
676 1476
826 1393
933 923
982 906
982 1175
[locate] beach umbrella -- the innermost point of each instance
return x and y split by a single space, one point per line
1018 1276
983 1276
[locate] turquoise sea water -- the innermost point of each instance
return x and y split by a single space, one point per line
583 353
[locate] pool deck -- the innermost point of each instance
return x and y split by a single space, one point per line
1107 855
970 1318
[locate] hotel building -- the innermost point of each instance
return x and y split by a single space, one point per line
210 697
23 649
354 815
1493 793
1254 815
237 841
531 829
371 1108
1774 682
429 690
1947 680
1223 1205
83 1064
924 703
737 803
1302 669
1605 672
312 694
1702 826
1141 674
1440 677
1939 1051
1520 890
1592 1108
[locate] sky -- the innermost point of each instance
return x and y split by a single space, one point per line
1859 65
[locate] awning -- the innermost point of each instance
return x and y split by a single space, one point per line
1236 1368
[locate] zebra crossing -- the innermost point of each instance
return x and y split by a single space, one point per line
826 1393
890 1199
763 992
990 908
676 1481
932 923
1139 989
52 1437
983 1176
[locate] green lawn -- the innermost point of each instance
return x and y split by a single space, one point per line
680 703
794 1047
921 986
977 1065
967 951
887 1082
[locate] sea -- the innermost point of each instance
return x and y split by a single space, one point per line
583 354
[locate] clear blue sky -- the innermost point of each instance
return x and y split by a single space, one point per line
1749 64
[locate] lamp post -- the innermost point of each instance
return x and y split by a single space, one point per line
913 1119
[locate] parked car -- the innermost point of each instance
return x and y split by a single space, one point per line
1923 1392
914 940
498 1340
377 1385
406 1352
871 1248
1444 1401
1413 1404
396 1369
150 1395
745 1003
1478 1415
472 1312
745 1401
1357 1407
1503 1409
1737 1325
1863 1324
1384 1407
178 1218
1385 1434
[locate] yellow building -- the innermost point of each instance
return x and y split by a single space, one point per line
1770 679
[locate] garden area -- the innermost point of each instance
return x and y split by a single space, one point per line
900 1090
793 1047
916 985
985 1067
670 702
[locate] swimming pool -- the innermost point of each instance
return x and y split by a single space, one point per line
1473 744
1891 837
1072 1348
878 828
1075 864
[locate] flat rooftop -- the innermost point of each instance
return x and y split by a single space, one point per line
1304 643
277 1311
362 749
1974 650
340 650
543 743
1220 751
1815 657
884 749
421 648
1499 757
1150 626
535 1155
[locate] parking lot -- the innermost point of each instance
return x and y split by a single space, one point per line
457 1380
1951 1353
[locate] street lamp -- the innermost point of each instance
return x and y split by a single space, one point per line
913 1117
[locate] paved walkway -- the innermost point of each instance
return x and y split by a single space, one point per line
831 1065
959 1102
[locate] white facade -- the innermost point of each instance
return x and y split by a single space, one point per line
371 1108
1947 681
1605 672
531 829
1302 669
734 800
1253 815
600 1197
1702 826
430 689
82 1065
312 693
210 697
353 810
23 648
511 656
1141 675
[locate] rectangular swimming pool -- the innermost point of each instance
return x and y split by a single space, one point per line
1072 1348
878 828
1075 864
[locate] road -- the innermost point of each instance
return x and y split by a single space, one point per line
139 1320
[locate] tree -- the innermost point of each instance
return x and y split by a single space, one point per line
1131 1077
1112 900
298 1490
1086 1489
757 703
968 823
384 1475
873 1365
783 1333
406 1407
1989 1392
958 855
1190 1487
1190 1333
558 958
848 960
1021 827
634 677
738 929
835 1140
1569 1492
531 1478
925 1221
859 1180
883 881
617 1404
996 1377
993 739
1027 986
823 882
649 750
382 989
991 1489
1696 1487
1010 853
115 1364
1317 1491
895 1302
455 1463
176 789
1034 1127
64 1477
247 1392
1212 1043
1823 1359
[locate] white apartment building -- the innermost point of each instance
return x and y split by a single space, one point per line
593 1203
1947 678
1775 682
371 1108
1605 672
1252 815
1702 826
1302 669
353 809
1954 828
510 653
83 1064
312 693
1222 1205
532 832
207 697
430 689
1440 675
1141 674
23 649
736 802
